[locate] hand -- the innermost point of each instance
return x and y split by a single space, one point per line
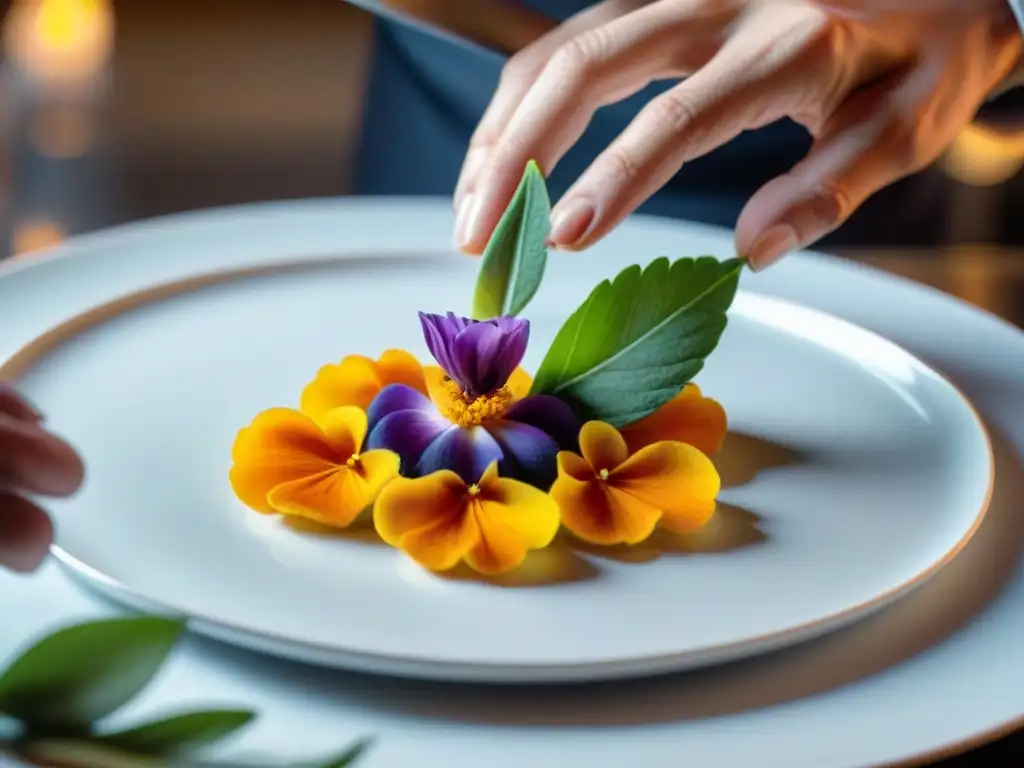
31 461
883 86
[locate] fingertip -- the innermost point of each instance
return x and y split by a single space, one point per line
26 533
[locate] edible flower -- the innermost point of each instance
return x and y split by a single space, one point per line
357 379
440 520
286 462
687 418
477 411
606 496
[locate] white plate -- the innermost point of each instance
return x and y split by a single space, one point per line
933 673
857 471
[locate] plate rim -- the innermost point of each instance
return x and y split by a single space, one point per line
425 667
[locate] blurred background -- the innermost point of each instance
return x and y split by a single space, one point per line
114 111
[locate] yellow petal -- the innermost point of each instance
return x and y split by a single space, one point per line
596 512
688 418
444 543
280 445
378 468
524 508
602 446
334 498
353 381
406 505
396 366
434 377
499 549
519 383
345 429
674 477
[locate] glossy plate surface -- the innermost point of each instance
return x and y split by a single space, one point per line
853 472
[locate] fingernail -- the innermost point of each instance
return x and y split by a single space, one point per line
771 246
570 221
468 231
462 221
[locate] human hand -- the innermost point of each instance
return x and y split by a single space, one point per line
32 461
883 86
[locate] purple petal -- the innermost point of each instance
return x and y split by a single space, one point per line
467 452
408 433
530 453
548 413
394 398
439 332
475 355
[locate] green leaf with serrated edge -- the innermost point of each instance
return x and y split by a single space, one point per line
347 759
181 733
83 673
637 340
517 253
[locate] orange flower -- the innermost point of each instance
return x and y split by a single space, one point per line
286 462
439 520
688 418
357 379
610 497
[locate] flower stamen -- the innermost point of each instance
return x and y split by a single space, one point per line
604 474
473 490
468 411
353 461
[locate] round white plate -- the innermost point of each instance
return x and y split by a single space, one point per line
854 472
935 672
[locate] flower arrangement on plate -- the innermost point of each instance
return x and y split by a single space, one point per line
470 459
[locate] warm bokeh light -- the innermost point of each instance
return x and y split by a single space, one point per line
58 41
983 157
35 235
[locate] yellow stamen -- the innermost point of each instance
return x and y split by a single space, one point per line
353 461
604 474
459 408
473 490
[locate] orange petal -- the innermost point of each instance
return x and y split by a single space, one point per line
575 467
406 505
688 418
345 429
602 446
396 366
596 512
353 381
513 518
443 544
674 477
519 383
334 498
280 445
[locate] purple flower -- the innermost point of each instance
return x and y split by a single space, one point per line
479 356
524 439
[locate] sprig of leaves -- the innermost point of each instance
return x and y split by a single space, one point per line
513 263
53 697
638 339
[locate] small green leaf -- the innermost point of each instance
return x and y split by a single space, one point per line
637 340
517 253
80 674
347 759
179 734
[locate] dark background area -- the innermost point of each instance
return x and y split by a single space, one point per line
187 104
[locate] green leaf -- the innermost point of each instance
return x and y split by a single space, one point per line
80 674
517 253
637 340
345 760
68 753
181 733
